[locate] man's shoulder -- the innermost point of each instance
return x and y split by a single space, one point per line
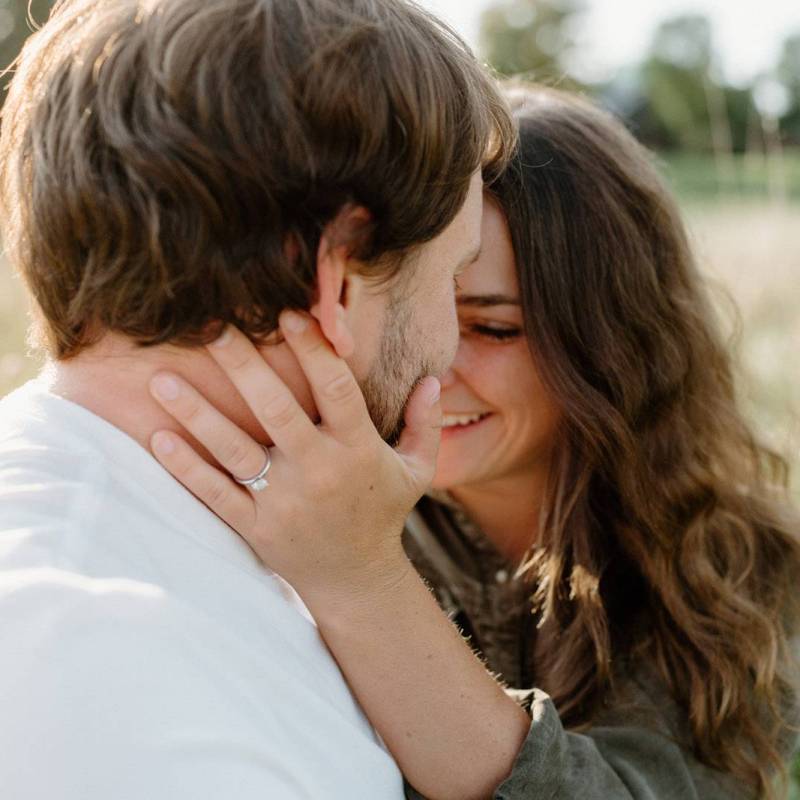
38 428
50 495
94 671
46 605
77 646
68 636
21 407
120 680
52 475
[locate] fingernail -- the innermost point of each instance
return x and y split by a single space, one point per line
165 387
294 322
223 339
162 443
433 391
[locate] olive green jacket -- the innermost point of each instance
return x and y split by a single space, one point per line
636 750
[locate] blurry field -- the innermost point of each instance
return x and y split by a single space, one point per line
751 254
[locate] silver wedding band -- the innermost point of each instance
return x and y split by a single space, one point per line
258 482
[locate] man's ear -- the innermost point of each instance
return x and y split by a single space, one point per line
335 263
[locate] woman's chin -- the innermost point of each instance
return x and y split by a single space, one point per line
461 463
450 476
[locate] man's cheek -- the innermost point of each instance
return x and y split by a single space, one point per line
447 338
451 334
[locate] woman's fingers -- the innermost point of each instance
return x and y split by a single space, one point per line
339 399
218 491
270 400
233 449
419 443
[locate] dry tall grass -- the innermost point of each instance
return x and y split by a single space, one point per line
751 255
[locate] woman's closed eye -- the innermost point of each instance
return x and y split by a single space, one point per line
498 333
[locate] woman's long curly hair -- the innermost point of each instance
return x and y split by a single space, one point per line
666 535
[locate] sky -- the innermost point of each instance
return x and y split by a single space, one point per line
613 33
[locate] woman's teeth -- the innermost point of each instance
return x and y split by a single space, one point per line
461 420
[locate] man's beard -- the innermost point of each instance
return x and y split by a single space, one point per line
398 368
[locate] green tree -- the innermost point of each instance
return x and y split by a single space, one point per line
530 37
789 64
788 73
676 77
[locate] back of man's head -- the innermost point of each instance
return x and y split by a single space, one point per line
169 165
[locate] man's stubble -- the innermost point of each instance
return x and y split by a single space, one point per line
399 367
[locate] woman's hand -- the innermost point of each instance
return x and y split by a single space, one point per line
331 518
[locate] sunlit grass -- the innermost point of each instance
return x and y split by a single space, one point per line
751 254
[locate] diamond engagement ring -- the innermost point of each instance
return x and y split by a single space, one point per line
258 482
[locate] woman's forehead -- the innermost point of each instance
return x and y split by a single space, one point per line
495 269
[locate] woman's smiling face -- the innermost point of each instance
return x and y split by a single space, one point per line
499 419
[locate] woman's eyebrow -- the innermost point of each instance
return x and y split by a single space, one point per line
486 300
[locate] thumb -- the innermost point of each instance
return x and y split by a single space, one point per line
419 443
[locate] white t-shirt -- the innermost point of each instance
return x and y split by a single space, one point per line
145 652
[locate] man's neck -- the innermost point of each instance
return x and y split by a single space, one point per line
111 379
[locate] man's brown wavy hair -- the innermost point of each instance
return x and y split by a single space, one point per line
168 166
666 537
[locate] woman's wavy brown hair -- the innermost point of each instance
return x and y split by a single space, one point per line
666 538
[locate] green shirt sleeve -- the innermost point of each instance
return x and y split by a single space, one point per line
609 762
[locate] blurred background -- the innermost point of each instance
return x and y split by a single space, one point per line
713 86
